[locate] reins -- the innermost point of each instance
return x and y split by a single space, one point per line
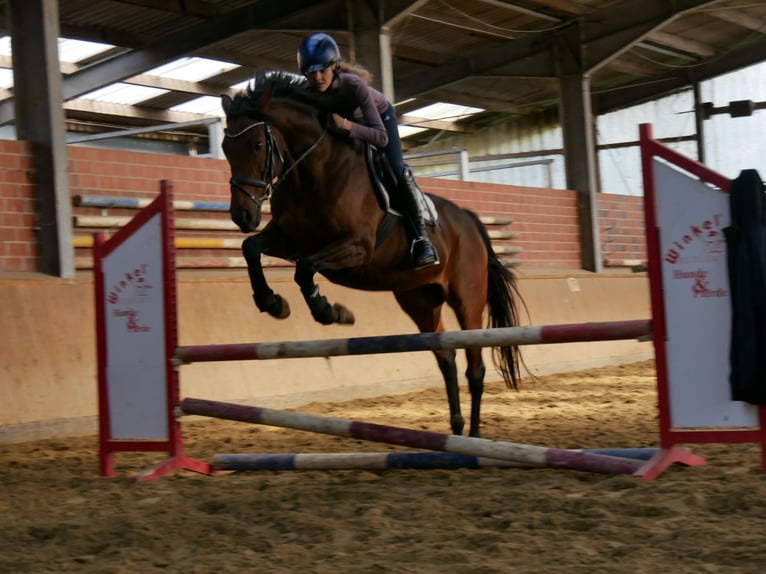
270 182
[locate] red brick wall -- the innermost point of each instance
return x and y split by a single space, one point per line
18 208
621 219
136 174
545 219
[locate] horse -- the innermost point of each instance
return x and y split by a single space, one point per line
325 218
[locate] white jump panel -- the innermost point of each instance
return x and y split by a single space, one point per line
691 216
135 332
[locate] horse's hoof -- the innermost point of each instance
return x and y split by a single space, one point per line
280 309
343 315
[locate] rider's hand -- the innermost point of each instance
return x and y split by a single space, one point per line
342 123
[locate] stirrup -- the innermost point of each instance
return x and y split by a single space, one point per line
422 253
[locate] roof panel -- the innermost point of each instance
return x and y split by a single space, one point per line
436 34
192 69
123 94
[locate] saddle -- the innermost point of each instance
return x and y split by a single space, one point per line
385 183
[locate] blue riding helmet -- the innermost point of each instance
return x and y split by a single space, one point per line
317 52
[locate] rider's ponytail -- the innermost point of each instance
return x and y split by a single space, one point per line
357 69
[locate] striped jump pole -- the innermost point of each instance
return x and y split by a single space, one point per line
567 333
527 454
388 460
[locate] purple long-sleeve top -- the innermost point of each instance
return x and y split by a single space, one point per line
367 124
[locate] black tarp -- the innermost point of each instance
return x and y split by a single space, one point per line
746 259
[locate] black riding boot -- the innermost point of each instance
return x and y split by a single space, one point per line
422 253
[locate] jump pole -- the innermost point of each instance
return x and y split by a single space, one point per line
548 334
514 452
387 460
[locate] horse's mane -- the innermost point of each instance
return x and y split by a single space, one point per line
285 86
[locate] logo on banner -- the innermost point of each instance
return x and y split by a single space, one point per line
706 236
130 296
702 247
700 283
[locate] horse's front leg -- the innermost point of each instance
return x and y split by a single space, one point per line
322 311
265 299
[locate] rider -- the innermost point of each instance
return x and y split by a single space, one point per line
374 122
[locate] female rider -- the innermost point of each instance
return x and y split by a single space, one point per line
373 121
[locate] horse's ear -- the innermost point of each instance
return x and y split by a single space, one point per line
226 102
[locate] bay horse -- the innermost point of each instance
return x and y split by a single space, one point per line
325 218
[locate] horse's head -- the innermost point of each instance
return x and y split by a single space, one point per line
250 149
276 115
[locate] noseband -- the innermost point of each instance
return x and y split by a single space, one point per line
270 182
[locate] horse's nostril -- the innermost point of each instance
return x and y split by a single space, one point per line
239 215
243 219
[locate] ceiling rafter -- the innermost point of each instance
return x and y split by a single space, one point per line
116 111
169 48
740 19
637 92
443 50
684 44
607 33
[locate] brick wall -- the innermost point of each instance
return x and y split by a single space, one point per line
544 219
18 208
621 219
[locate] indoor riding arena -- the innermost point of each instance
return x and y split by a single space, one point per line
154 420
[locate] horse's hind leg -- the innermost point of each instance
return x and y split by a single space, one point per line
322 311
424 307
265 299
468 311
475 374
446 361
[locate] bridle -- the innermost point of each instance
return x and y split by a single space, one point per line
270 182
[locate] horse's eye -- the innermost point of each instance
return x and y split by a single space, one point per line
257 145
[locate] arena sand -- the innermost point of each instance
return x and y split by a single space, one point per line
57 515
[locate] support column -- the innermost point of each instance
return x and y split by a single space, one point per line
576 116
699 122
34 28
367 41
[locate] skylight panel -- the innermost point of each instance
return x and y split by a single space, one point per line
437 111
6 78
123 94
73 51
445 111
192 69
70 51
405 131
241 85
207 105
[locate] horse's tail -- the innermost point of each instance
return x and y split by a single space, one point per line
502 304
